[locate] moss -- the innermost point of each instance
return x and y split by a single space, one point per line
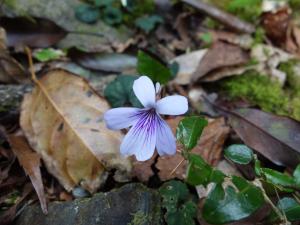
293 79
258 90
249 10
139 218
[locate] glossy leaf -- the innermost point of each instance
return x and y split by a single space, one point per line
152 68
278 178
296 175
189 131
120 92
232 204
87 13
238 153
290 207
201 173
148 23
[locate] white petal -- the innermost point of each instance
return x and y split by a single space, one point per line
165 142
157 87
119 118
144 90
140 141
172 105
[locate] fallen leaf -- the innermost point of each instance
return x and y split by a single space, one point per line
108 62
187 65
63 121
30 161
292 44
209 146
275 137
143 170
37 32
220 55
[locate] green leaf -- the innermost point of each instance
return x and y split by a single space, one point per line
148 23
296 175
222 207
189 130
179 203
290 207
112 15
103 3
152 68
207 38
238 153
201 173
174 68
47 54
87 13
277 178
120 92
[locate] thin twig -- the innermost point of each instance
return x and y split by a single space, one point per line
173 171
221 16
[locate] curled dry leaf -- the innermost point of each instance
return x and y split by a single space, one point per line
210 146
275 137
30 161
63 120
220 55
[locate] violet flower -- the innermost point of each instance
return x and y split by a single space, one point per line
148 129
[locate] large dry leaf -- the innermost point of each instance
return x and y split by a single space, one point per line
210 146
30 161
220 55
63 121
275 137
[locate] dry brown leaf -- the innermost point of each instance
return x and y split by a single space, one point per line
210 147
143 170
30 161
293 40
63 120
220 55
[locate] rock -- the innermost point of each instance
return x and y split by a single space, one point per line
62 13
132 204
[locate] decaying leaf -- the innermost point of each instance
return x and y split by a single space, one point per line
30 161
218 56
63 121
275 137
293 39
209 147
143 170
38 32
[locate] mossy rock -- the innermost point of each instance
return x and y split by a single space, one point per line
132 204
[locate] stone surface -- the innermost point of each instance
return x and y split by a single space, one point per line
132 204
62 13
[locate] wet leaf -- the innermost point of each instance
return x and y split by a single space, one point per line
232 204
38 32
63 121
120 92
275 137
152 68
87 13
240 154
189 131
108 62
30 161
148 23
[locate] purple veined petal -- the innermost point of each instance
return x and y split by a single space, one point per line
172 105
165 141
119 118
141 139
144 90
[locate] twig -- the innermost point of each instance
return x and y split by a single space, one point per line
173 171
221 16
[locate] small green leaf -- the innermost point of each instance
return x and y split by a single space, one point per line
174 68
277 178
87 13
290 207
201 173
47 54
296 175
189 131
103 3
179 203
152 68
222 207
148 23
112 15
119 92
207 38
240 154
